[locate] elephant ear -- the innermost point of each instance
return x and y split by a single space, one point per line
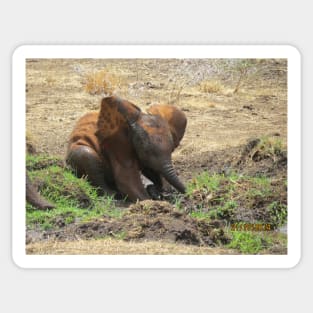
176 119
110 119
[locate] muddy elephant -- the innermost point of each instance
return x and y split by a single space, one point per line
114 146
34 198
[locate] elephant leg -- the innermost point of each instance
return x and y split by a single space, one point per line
86 162
128 181
154 189
154 177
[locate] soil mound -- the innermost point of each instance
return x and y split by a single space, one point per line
145 221
260 157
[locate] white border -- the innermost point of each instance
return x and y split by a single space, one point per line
151 261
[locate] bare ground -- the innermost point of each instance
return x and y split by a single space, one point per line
112 246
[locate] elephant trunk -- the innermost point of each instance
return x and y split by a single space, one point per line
171 176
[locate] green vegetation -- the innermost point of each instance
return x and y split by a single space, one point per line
226 211
204 181
75 199
41 161
200 215
248 242
278 212
177 201
237 198
229 197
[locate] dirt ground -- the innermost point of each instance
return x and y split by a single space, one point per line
111 246
220 123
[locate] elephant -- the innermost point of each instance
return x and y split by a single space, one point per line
113 146
34 198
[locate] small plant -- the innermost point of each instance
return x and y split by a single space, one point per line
225 212
204 181
178 202
268 147
260 186
278 213
243 67
31 143
248 243
119 236
200 215
69 219
47 226
211 86
101 83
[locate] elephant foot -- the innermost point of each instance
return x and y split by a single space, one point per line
153 188
154 193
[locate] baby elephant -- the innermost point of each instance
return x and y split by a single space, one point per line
114 146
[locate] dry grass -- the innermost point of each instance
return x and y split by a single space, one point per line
31 143
269 147
118 247
211 86
100 83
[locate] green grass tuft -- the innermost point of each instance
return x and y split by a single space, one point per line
232 197
75 199
204 181
278 212
248 242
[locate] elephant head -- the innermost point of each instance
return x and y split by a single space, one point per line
154 135
176 119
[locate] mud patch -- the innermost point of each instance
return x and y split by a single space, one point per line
245 204
160 220
257 157
144 221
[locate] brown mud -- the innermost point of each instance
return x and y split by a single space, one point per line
145 220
